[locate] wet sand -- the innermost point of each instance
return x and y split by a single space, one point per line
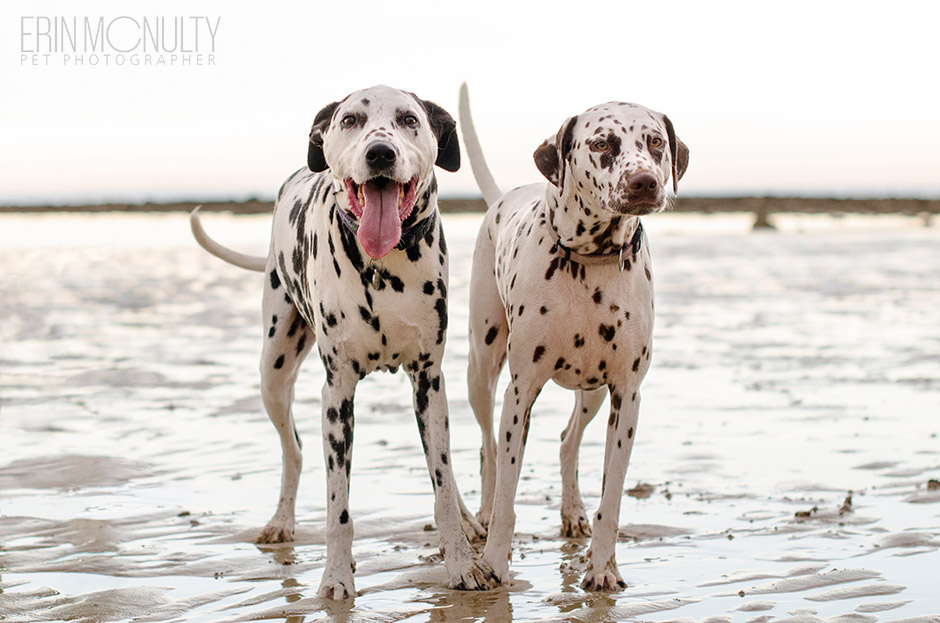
785 469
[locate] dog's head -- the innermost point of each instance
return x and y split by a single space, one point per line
614 158
382 144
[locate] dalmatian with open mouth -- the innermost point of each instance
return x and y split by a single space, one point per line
358 266
562 287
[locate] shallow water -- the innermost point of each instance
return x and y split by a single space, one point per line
792 371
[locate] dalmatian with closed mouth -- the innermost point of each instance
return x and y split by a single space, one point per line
358 265
561 285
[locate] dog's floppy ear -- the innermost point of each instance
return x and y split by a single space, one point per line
551 155
445 129
546 160
315 159
679 154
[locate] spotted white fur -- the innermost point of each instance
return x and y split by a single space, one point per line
559 289
364 314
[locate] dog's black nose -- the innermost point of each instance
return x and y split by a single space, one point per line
381 155
643 185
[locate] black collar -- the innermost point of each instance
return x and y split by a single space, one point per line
601 258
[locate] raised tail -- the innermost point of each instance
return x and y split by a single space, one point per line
481 172
248 262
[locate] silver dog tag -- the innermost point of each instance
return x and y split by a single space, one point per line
376 273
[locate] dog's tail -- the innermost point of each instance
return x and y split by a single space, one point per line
481 172
248 262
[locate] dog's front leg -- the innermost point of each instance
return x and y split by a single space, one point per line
513 430
602 573
338 392
465 570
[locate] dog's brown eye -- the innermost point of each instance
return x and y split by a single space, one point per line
349 121
656 142
410 121
599 146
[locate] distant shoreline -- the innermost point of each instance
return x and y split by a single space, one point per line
706 205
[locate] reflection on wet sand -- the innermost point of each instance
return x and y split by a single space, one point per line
785 469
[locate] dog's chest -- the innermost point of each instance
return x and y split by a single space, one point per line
592 323
370 314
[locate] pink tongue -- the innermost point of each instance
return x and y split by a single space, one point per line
380 227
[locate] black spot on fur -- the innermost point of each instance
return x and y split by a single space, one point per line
552 267
275 280
344 517
491 335
606 331
616 400
279 363
539 351
440 306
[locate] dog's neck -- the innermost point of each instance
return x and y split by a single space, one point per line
585 229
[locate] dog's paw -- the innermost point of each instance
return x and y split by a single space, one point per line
337 588
472 527
476 575
483 518
575 525
276 532
498 567
605 580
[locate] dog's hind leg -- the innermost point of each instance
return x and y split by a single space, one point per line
574 521
287 341
489 332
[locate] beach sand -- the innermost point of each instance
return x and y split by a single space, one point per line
786 465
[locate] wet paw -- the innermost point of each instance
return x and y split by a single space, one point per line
336 589
483 517
475 576
276 532
473 528
607 580
499 569
575 525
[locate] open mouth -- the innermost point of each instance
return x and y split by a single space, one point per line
381 204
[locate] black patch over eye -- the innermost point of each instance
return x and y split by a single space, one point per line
406 119
656 146
351 120
610 153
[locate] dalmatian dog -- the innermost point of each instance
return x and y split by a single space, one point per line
561 285
358 266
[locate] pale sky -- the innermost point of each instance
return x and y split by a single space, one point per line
795 98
